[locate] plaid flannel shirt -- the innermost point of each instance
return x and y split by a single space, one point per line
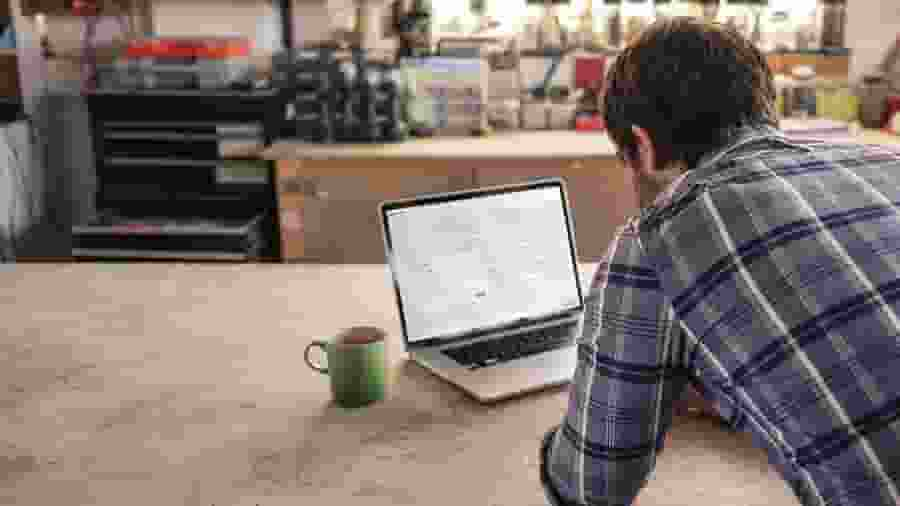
769 278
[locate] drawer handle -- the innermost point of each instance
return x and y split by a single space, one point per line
577 165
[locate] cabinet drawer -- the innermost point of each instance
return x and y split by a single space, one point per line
112 234
216 177
135 200
184 106
165 178
202 142
119 146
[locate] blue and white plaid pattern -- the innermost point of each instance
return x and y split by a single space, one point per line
770 279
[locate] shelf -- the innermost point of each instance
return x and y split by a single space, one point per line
827 66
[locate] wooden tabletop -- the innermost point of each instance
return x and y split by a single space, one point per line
150 384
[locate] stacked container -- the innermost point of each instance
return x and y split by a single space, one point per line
180 63
340 101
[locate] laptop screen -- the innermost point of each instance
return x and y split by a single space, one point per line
480 260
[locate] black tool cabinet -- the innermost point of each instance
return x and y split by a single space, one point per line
178 175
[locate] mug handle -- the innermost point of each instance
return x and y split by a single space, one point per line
309 347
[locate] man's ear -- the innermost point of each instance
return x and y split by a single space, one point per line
645 162
644 156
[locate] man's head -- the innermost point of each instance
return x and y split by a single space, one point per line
679 91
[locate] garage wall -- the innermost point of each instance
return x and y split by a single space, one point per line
872 26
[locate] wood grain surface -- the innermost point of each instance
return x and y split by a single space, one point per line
522 145
149 384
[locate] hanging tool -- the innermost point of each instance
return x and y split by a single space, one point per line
542 90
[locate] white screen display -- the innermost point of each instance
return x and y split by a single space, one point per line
481 262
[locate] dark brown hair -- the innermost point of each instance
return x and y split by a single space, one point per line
690 84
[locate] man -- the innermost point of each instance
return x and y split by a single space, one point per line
761 270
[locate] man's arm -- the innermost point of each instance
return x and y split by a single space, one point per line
631 357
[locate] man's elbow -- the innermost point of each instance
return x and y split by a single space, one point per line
613 481
620 492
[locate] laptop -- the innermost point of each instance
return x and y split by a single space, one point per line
487 285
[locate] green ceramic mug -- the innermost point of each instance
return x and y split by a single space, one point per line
356 363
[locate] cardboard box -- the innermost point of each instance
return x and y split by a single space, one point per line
450 95
505 113
535 115
504 84
562 115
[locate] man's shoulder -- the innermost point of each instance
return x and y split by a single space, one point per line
800 157
768 170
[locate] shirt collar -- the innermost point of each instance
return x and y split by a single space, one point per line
743 136
709 164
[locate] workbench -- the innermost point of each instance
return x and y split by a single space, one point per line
328 194
161 384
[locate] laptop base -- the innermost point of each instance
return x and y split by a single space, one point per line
504 380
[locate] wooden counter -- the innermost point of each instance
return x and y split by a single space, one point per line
328 195
165 384
835 67
525 146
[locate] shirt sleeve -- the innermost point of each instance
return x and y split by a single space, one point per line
631 367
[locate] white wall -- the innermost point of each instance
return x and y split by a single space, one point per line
20 187
178 17
313 19
872 26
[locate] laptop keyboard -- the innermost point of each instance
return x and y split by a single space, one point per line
486 353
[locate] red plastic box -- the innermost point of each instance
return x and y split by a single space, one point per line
212 48
589 123
589 72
